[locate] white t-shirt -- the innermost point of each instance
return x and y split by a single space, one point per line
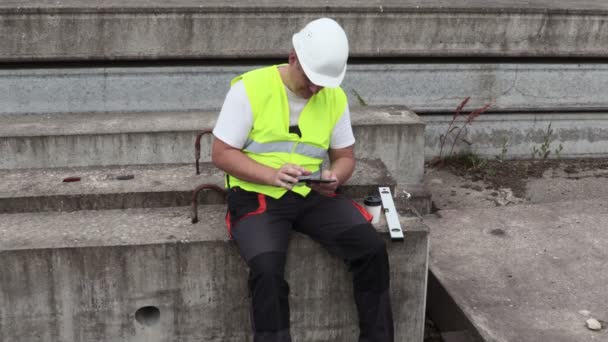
236 119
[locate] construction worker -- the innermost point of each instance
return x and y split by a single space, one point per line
276 126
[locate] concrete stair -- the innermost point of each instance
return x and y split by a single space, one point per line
392 134
126 250
152 186
423 86
150 275
154 29
155 147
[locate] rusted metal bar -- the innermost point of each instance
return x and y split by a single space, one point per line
195 193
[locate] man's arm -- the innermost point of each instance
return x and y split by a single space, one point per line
342 163
234 162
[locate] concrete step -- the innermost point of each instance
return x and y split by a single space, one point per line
150 275
523 272
394 135
154 29
152 186
515 135
422 86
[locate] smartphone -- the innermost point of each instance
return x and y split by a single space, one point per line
309 179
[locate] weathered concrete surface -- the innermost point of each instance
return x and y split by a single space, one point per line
558 185
32 190
566 181
392 134
580 134
138 29
422 87
82 276
523 272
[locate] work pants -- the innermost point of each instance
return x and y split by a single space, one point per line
261 226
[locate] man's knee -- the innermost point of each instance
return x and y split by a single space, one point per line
362 241
371 270
267 272
268 262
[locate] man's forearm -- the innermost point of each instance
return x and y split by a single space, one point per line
343 168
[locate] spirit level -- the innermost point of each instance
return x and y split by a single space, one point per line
392 218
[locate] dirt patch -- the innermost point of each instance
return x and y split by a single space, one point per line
514 174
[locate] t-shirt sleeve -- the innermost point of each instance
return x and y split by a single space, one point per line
236 118
342 135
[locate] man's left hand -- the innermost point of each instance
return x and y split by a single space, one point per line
326 189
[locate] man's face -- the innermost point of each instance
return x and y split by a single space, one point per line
305 88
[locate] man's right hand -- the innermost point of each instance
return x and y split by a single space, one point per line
287 176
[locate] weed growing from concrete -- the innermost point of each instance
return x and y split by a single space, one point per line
456 127
470 161
544 150
503 152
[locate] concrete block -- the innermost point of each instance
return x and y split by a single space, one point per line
581 135
83 277
523 272
152 186
422 87
392 134
153 29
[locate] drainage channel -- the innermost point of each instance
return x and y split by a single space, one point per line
446 322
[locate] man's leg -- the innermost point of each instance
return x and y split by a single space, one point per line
341 227
262 234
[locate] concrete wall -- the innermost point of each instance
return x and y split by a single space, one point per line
93 293
580 135
153 29
525 99
423 87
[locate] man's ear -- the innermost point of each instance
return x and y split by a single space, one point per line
293 58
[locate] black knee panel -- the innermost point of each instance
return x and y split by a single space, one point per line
269 292
371 271
269 262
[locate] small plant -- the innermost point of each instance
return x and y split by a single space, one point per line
544 150
558 150
475 163
503 152
457 131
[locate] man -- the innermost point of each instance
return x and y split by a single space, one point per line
276 125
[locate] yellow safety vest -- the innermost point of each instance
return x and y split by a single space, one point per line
269 141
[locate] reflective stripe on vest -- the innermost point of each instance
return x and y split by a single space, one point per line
286 147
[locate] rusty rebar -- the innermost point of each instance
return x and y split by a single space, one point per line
195 193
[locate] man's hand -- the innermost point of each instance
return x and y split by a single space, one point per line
287 176
326 189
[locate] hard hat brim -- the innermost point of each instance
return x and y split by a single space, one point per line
317 78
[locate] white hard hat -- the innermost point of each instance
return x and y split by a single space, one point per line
322 49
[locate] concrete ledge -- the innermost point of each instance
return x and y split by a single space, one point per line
392 134
422 87
525 272
152 186
135 29
82 276
580 134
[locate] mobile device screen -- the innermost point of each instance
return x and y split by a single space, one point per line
308 179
